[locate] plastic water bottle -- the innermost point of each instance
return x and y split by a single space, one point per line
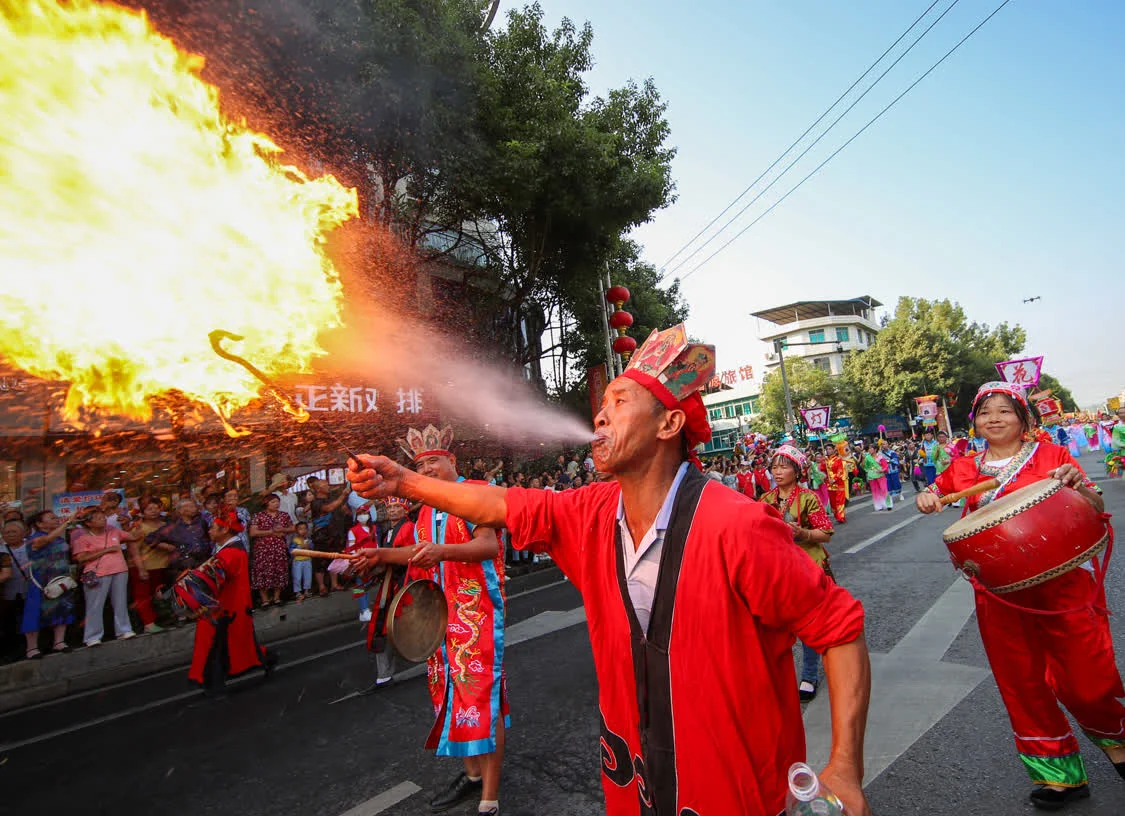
807 796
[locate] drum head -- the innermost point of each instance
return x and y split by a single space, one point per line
417 618
1003 508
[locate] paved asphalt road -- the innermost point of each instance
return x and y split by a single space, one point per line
938 739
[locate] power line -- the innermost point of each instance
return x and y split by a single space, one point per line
827 110
838 150
816 141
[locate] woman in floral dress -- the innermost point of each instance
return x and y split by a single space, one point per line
269 553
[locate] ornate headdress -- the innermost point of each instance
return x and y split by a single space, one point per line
793 455
1012 390
427 442
396 500
670 367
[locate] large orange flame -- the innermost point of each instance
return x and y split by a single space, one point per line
135 219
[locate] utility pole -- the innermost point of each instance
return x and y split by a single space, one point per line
779 348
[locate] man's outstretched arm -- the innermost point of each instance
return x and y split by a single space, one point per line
377 477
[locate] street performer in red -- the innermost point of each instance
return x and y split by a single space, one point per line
398 533
225 645
693 595
1040 661
466 676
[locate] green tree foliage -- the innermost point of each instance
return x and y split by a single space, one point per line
567 175
651 305
928 347
808 386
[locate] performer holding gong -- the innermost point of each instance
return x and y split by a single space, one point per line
466 675
1041 660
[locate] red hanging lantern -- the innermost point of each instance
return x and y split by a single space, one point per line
617 295
621 320
624 346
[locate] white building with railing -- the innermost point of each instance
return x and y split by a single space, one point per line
824 332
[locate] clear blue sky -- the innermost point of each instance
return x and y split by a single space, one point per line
999 177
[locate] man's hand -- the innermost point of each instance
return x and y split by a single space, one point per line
367 558
375 477
427 556
848 787
927 502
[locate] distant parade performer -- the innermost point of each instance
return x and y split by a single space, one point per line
837 472
875 466
805 515
693 596
934 457
225 644
1041 661
466 676
894 471
397 540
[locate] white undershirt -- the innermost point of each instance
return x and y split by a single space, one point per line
998 463
642 564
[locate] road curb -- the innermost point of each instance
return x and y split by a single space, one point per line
56 676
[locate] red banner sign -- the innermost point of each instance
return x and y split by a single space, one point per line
597 379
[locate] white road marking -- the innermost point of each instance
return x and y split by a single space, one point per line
386 799
867 542
78 695
911 688
175 698
178 669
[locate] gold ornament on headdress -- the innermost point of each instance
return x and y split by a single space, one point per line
428 440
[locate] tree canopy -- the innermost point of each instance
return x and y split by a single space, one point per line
928 347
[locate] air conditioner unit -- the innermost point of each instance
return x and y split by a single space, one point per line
771 356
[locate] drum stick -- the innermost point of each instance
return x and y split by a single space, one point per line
321 554
982 487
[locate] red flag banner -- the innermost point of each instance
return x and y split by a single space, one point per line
597 378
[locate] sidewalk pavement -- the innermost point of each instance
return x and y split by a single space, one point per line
54 676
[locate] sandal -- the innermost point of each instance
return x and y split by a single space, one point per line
60 647
31 654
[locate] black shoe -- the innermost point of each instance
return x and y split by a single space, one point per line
461 789
1120 766
1048 799
806 695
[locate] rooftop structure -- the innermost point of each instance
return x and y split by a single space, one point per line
823 332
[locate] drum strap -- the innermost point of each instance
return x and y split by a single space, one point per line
1101 567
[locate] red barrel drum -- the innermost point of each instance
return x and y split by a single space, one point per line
1027 537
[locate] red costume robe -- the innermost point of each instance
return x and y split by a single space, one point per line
466 676
225 644
700 713
836 471
1040 661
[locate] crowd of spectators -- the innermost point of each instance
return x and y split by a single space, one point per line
115 566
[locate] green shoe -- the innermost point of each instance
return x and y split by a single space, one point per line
153 629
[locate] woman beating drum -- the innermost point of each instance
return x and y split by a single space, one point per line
1041 660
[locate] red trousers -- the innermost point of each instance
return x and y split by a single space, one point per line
1040 661
143 590
839 500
